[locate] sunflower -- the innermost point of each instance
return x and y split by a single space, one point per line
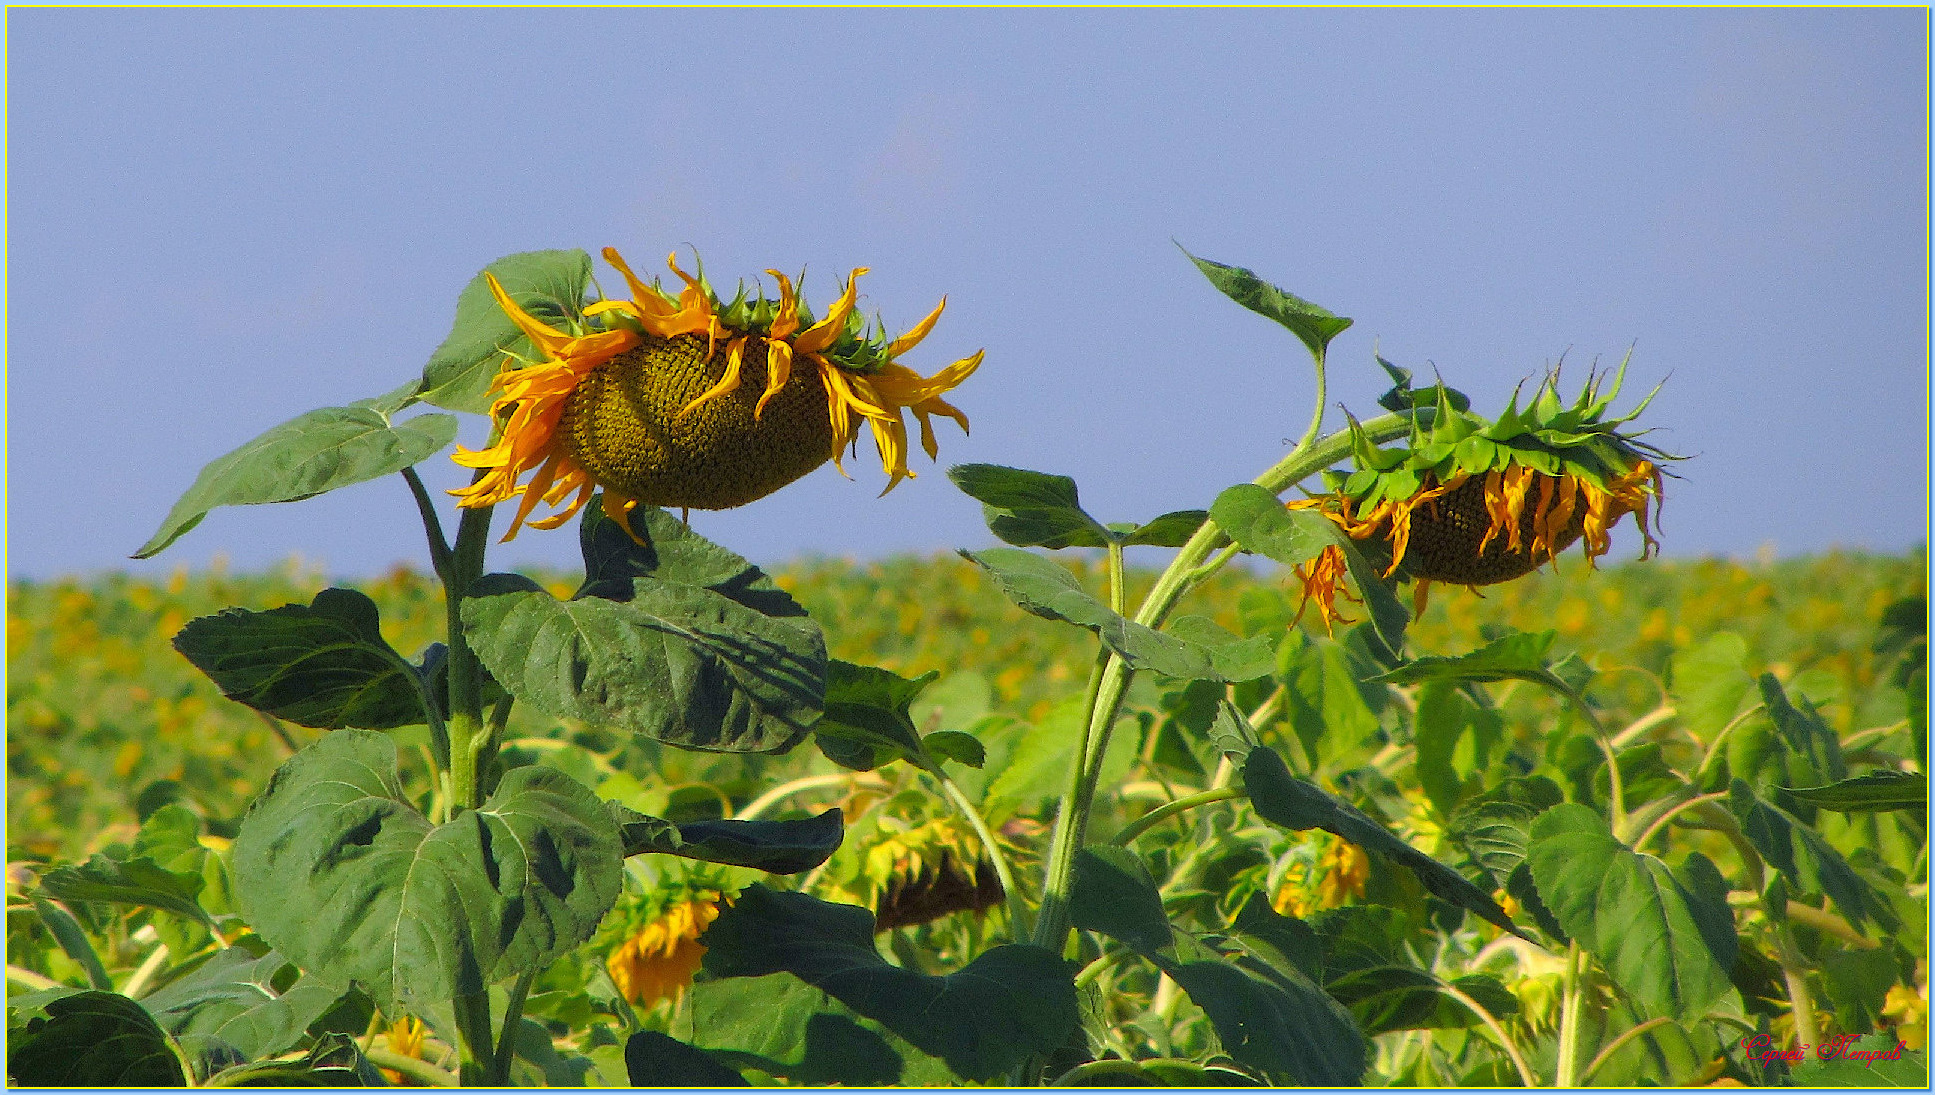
657 963
699 403
1473 503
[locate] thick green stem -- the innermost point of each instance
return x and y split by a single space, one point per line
469 739
1570 994
423 1072
513 1016
1111 680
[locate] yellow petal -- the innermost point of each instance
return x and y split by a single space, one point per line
817 338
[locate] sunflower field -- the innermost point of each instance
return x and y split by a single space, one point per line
1267 793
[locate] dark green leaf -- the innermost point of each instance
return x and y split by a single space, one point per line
134 881
1494 834
1271 1019
1168 530
1389 617
93 1039
72 938
1258 522
1387 998
659 1060
1010 1002
1281 799
1113 894
231 1000
1030 508
1874 791
867 723
956 745
1041 586
308 455
777 847
682 664
788 1029
1280 941
666 549
1520 655
1313 324
1794 848
1659 938
1808 737
338 872
549 285
325 664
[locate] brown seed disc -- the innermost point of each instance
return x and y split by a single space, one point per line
622 424
1446 532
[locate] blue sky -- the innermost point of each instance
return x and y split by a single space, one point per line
219 219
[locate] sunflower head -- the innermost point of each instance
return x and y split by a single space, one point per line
918 873
1475 502
685 399
657 948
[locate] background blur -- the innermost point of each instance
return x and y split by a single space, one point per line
219 219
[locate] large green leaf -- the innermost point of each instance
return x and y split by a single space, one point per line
1010 1002
231 1001
325 664
1282 799
1114 894
867 723
306 456
1874 791
679 663
338 872
1258 522
662 547
549 285
1325 702
1812 865
1710 683
1313 324
788 1029
1030 508
1665 938
1043 587
91 1040
786 846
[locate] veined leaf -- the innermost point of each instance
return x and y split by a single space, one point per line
786 846
308 455
1874 791
1811 864
324 664
338 872
867 723
549 285
1010 1002
679 663
1030 508
93 1040
1665 938
231 1000
1313 324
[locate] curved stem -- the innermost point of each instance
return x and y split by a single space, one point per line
19 975
1568 1065
1017 908
1525 1072
432 525
421 1071
1317 416
1660 822
1644 723
1168 810
771 798
1051 925
1618 1043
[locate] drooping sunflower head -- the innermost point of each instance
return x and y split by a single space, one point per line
1476 502
693 401
919 873
660 950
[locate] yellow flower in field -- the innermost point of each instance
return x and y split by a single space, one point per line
699 403
658 962
1474 503
1909 1009
1346 868
405 1038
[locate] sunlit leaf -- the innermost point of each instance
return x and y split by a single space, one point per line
549 285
